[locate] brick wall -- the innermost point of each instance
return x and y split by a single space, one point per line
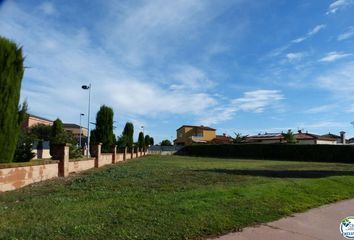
81 165
16 177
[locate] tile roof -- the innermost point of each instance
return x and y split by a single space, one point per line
71 125
42 118
200 127
311 136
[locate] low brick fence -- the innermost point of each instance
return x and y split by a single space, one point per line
12 178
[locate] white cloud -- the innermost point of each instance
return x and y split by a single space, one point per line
320 109
154 30
339 80
61 61
350 108
316 29
257 101
333 56
346 35
299 40
189 77
48 8
309 34
252 101
339 4
295 56
278 51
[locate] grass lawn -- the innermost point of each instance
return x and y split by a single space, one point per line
170 197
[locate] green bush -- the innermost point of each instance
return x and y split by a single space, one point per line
23 151
292 152
11 73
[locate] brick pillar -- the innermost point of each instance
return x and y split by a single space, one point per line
98 155
114 154
125 154
61 153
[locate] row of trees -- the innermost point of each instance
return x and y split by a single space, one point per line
103 133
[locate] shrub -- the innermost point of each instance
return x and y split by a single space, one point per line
23 152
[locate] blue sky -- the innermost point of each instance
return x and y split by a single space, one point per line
239 66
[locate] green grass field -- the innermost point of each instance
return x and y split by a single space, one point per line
170 197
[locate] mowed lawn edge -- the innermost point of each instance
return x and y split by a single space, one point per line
170 197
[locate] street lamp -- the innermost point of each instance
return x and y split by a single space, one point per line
88 87
81 114
142 127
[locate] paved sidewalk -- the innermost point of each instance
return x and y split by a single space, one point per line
316 224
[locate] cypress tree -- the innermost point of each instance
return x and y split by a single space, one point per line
104 128
151 141
147 141
127 134
141 140
11 74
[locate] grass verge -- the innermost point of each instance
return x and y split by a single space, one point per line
170 197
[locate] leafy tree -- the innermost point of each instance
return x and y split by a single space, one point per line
166 142
104 128
147 141
239 138
11 73
127 134
23 151
151 141
122 141
141 140
57 134
74 150
290 137
41 132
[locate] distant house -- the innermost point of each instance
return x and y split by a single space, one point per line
301 138
188 134
266 138
310 138
75 129
34 120
222 139
340 139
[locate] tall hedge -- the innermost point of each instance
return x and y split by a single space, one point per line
141 140
104 128
127 134
11 73
291 152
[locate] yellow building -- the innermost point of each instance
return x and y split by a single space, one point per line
188 134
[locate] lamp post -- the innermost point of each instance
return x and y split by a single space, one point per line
142 127
81 114
88 87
